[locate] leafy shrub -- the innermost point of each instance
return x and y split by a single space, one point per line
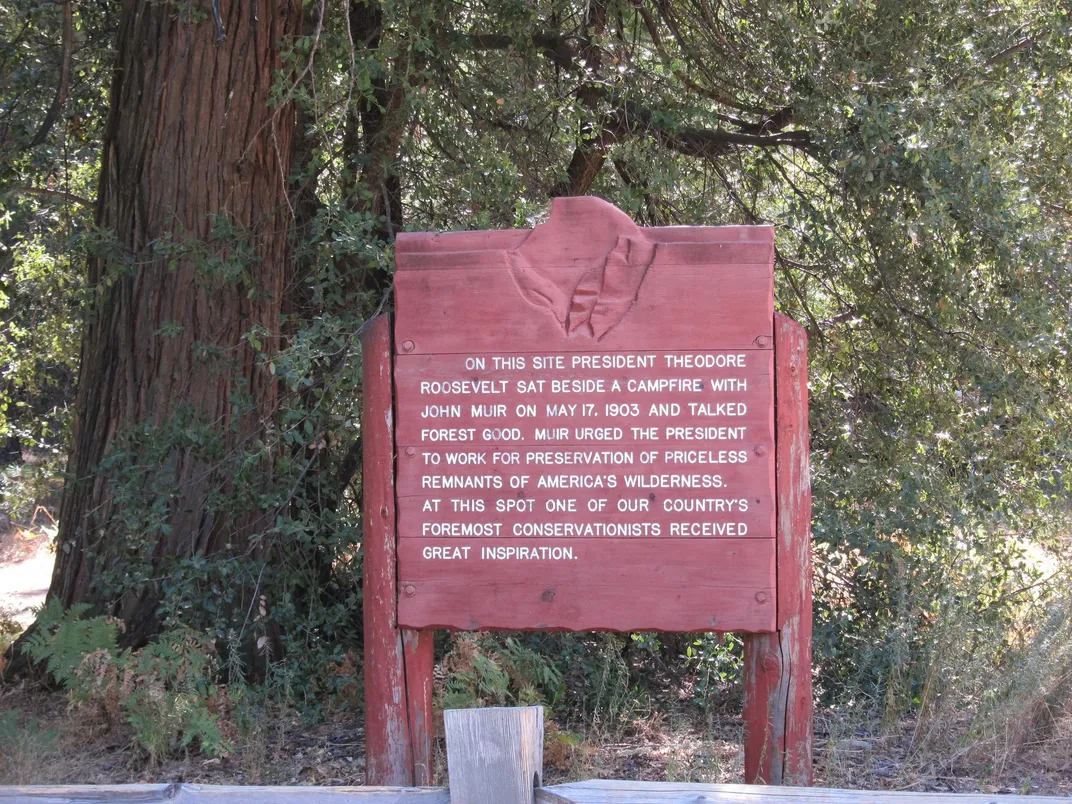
165 690
716 661
63 639
611 699
484 670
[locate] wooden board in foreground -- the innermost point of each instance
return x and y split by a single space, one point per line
611 791
592 792
217 794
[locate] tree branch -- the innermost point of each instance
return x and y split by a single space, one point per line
814 330
713 94
557 48
1002 56
60 100
58 195
705 143
595 139
656 217
1024 44
627 119
707 55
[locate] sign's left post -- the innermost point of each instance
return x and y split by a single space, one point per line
398 662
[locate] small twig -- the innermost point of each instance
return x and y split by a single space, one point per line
387 210
293 87
41 510
353 57
1022 589
788 273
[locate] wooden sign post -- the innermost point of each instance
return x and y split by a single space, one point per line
587 426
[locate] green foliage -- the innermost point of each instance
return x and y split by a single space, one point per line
163 690
484 670
47 174
63 639
174 683
715 659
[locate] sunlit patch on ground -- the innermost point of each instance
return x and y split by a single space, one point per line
26 561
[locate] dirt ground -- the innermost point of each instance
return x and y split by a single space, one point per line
26 560
47 741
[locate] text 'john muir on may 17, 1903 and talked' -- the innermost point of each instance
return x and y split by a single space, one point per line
496 451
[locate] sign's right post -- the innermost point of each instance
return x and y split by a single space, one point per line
777 666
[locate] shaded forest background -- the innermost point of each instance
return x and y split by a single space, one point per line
198 202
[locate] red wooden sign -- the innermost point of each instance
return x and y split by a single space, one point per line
588 425
585 426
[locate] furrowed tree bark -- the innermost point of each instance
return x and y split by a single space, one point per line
173 400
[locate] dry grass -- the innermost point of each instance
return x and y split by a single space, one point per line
863 756
684 745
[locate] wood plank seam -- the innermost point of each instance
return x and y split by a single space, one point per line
780 712
406 669
793 531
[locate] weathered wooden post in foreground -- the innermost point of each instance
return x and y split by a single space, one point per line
494 754
587 426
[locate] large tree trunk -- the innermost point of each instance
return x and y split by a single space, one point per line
173 401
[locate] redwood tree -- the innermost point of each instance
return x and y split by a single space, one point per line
177 394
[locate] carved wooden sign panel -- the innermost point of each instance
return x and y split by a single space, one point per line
585 426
